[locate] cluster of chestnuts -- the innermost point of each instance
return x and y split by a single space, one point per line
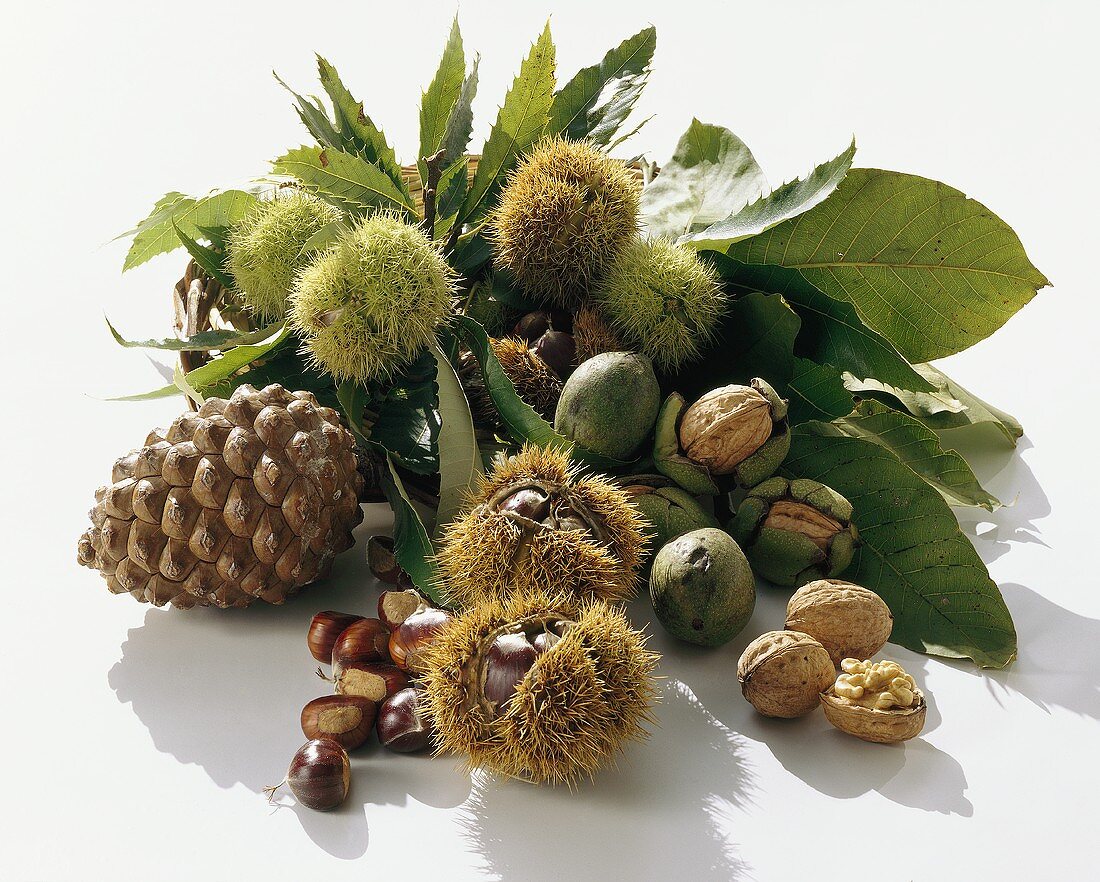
375 666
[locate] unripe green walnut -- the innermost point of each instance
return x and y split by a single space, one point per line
609 404
264 248
371 303
563 217
702 588
795 531
670 510
661 300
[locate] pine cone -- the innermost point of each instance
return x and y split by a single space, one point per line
250 497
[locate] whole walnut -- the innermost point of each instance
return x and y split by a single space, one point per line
848 620
783 673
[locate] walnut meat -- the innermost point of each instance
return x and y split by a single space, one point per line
875 701
782 673
848 620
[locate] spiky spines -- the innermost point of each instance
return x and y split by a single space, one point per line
661 299
536 523
371 303
577 706
535 382
264 249
564 215
593 335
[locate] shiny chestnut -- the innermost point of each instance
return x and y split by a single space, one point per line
346 719
401 723
366 640
396 606
415 634
374 680
382 561
324 630
319 775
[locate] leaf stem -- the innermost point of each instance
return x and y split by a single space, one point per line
434 165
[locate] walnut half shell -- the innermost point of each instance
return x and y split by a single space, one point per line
871 724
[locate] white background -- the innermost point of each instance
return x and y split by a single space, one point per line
136 741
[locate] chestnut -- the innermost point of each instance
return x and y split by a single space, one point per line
396 606
414 635
346 719
382 561
558 350
401 724
532 326
506 664
366 640
319 775
324 630
373 680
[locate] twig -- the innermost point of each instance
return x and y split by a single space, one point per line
435 171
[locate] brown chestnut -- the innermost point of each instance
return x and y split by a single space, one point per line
506 664
346 719
382 561
558 350
319 775
396 606
401 724
366 640
408 642
373 680
324 630
532 326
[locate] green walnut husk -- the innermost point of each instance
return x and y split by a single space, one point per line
795 531
609 404
702 587
735 435
670 510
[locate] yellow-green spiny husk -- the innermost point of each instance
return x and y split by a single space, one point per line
581 535
564 215
572 712
264 249
662 300
371 303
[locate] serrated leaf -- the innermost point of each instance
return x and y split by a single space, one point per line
928 268
201 342
784 202
832 331
206 376
598 99
460 122
314 117
407 422
754 339
816 392
459 457
439 99
359 134
157 233
913 553
452 190
209 259
950 406
325 237
518 125
519 418
711 174
349 182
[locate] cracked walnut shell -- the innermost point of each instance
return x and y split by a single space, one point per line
875 701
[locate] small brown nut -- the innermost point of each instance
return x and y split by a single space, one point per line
374 680
396 606
346 719
848 620
875 701
382 561
782 673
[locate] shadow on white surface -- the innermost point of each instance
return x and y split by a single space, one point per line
690 769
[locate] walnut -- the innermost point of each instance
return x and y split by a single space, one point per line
875 701
849 621
782 673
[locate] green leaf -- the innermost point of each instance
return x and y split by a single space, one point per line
913 553
314 117
918 447
359 135
459 457
711 174
931 270
208 258
519 418
408 422
784 202
950 406
754 339
597 101
206 376
411 545
157 233
832 331
325 237
201 342
345 180
439 99
163 392
816 392
518 125
460 122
